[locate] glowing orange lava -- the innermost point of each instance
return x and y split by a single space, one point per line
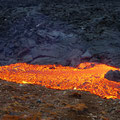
87 77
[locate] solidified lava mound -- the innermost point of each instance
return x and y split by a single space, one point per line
113 75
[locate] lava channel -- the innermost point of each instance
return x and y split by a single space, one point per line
86 77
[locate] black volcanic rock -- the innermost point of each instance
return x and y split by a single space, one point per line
53 32
113 75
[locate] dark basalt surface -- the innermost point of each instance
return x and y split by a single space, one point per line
55 32
113 75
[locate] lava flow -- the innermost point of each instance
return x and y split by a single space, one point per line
87 77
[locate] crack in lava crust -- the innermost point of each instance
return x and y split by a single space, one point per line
87 77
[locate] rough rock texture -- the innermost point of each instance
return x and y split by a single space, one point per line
113 75
34 102
59 32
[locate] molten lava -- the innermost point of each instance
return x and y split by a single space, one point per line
87 77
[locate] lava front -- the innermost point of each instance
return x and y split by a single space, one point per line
87 77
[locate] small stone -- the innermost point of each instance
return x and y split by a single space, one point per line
64 92
94 116
39 101
75 95
20 85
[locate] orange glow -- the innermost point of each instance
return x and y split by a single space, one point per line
87 77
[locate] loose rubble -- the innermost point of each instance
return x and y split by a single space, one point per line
36 102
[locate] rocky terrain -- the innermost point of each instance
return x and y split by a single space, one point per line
60 32
33 102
